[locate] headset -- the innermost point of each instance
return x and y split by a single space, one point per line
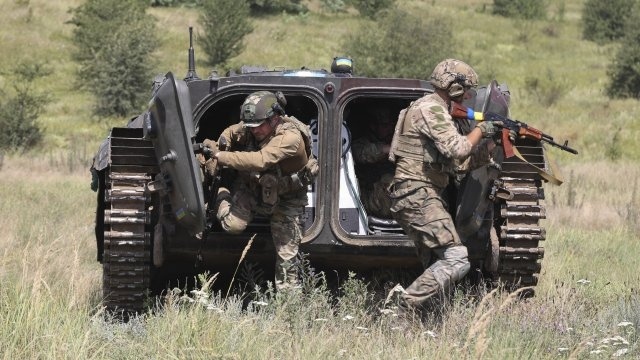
281 102
457 86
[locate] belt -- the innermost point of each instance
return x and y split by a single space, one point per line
405 184
440 167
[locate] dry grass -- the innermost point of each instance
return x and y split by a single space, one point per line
585 301
50 294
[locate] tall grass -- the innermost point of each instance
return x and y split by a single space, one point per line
587 302
50 292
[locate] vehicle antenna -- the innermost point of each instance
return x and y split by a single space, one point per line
191 75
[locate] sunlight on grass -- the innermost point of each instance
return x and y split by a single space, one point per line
587 301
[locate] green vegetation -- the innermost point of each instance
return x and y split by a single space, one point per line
586 304
604 20
276 6
624 73
387 47
369 8
225 24
20 110
115 40
521 9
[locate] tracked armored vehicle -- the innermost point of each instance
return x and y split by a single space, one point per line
152 218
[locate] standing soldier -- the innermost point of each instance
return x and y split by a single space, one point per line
428 150
272 154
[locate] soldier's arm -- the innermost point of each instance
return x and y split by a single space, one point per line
234 134
280 147
367 152
437 124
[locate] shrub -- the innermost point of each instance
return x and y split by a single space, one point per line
225 23
334 6
275 6
624 72
521 9
604 20
390 48
20 110
369 8
169 3
115 39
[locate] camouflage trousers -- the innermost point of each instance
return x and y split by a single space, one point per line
423 215
375 198
236 209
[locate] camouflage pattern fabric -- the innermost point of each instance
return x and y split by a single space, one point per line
445 73
236 209
237 206
418 204
375 197
375 174
429 121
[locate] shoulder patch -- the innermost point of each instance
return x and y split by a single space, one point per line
440 117
436 109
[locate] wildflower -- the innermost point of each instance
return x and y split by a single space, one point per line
620 352
584 282
625 324
347 317
387 311
198 293
616 340
186 299
430 334
214 308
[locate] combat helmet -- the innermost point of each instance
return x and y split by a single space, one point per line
258 107
455 76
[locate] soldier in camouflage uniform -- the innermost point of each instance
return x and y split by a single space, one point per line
428 150
375 171
272 154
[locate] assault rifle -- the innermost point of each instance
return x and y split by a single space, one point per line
521 129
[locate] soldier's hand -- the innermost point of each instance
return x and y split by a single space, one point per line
489 128
210 148
211 144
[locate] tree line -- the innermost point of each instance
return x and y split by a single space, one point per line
115 39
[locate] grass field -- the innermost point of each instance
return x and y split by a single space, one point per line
587 304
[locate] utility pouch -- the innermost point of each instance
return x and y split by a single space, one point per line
269 184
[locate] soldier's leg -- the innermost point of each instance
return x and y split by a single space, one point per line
436 282
286 233
430 226
234 211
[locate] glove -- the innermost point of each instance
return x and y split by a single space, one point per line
310 171
489 128
212 146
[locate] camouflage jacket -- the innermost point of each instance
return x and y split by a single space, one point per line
367 150
282 153
428 120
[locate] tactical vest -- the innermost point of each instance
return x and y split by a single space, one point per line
295 163
409 143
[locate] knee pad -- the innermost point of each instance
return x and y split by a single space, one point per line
457 257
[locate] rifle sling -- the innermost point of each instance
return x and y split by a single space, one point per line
555 180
